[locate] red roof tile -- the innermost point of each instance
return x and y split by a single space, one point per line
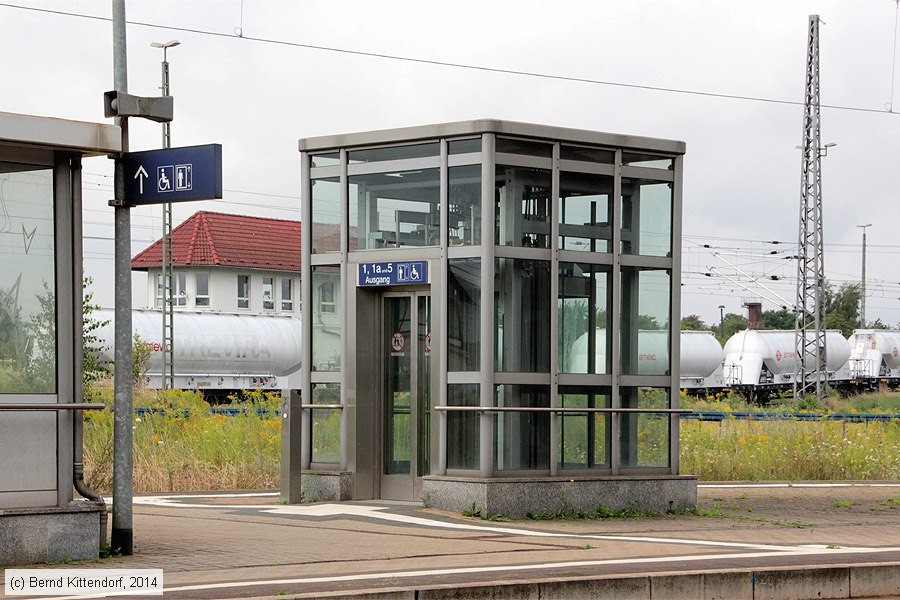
226 240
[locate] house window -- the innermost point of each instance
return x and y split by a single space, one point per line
287 299
202 297
268 288
243 291
326 297
179 292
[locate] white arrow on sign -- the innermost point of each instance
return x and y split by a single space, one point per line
140 176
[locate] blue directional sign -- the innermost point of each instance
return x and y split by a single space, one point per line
173 175
410 272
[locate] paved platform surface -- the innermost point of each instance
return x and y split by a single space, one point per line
244 545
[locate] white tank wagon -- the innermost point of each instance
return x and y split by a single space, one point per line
765 359
701 355
875 353
216 351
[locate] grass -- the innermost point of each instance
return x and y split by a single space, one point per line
204 451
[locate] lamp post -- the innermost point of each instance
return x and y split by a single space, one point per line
862 291
722 321
168 335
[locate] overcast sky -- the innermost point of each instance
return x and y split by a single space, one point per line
258 94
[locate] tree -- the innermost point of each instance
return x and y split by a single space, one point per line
731 324
95 367
779 319
693 323
842 307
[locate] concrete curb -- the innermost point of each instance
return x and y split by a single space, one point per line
788 583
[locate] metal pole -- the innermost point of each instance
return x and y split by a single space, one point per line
168 276
862 291
123 460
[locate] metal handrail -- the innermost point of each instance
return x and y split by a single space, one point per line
560 409
325 406
61 406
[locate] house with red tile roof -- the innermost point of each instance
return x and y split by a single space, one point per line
229 263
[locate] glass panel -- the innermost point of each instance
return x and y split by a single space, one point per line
463 314
392 210
268 293
202 282
326 318
521 439
397 385
326 215
651 161
463 429
646 296
522 315
581 153
465 205
583 440
328 159
180 291
527 147
394 152
423 384
585 212
326 424
646 217
464 146
27 280
243 291
522 199
582 308
287 302
644 437
159 289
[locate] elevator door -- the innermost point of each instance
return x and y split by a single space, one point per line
406 394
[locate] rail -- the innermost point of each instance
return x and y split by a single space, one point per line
559 409
60 406
787 416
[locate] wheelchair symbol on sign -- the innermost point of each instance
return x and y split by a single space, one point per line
164 178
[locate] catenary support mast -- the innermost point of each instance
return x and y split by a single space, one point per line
811 373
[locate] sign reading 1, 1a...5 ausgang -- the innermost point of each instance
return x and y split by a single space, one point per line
410 272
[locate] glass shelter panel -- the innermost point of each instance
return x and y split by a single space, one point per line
645 327
326 318
365 155
326 215
646 217
522 439
522 315
465 205
644 437
326 424
522 197
463 427
587 154
585 212
393 210
583 309
466 146
27 280
583 440
397 385
524 147
463 314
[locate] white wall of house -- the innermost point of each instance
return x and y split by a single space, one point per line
223 290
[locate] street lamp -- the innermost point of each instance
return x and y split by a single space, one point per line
168 317
862 291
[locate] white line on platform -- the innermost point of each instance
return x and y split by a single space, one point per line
503 568
794 485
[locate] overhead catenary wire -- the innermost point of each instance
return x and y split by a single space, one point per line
458 65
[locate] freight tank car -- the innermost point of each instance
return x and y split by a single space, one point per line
760 362
875 356
701 357
215 352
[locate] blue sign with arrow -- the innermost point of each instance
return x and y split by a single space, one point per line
173 175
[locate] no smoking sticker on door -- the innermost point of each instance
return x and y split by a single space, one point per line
398 342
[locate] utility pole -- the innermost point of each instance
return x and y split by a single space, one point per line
168 300
862 290
811 371
123 459
722 321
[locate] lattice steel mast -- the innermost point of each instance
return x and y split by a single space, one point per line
811 372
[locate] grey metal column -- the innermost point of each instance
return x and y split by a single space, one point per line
123 459
439 301
486 342
675 320
306 309
615 320
554 313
